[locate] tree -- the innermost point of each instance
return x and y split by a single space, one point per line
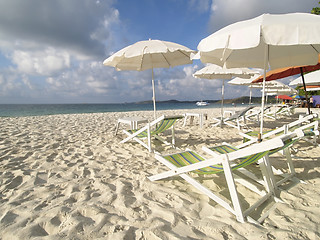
316 10
301 92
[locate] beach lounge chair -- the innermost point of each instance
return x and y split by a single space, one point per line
284 110
299 133
153 129
254 115
187 163
236 120
311 136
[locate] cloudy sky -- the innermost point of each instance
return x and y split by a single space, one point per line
51 51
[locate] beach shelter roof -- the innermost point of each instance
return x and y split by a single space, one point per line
150 54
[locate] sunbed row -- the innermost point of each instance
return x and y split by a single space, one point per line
234 162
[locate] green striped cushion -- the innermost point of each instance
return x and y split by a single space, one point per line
287 143
224 149
162 126
189 157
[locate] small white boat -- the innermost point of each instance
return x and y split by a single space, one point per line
202 103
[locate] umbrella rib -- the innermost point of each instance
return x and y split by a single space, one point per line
142 57
176 51
183 53
314 48
165 59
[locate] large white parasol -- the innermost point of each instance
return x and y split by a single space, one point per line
268 41
150 54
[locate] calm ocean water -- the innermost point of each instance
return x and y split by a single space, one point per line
20 110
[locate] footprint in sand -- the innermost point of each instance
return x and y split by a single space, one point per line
9 218
15 182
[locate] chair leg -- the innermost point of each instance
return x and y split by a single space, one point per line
238 124
173 139
117 127
233 191
267 174
185 121
289 160
149 138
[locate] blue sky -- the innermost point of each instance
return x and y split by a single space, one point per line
51 51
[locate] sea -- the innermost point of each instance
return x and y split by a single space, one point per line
22 110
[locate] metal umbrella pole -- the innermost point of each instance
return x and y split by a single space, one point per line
305 90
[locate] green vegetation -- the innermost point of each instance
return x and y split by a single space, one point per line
316 10
301 92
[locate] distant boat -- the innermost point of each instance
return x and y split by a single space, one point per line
202 103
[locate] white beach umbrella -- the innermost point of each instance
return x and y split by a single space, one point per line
213 71
312 88
150 54
270 87
268 41
283 91
243 82
312 78
274 88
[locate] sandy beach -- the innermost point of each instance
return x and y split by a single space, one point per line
68 177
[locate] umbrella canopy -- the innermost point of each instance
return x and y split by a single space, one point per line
248 82
287 72
288 90
290 40
213 71
285 90
216 72
297 96
290 71
284 97
271 85
311 88
150 54
312 78
271 88
268 42
244 82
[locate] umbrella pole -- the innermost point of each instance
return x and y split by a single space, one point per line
305 90
266 99
266 53
250 96
153 97
222 93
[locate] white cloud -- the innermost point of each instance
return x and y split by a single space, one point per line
75 25
44 62
225 12
52 48
52 51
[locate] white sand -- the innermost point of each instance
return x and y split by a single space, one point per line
68 177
